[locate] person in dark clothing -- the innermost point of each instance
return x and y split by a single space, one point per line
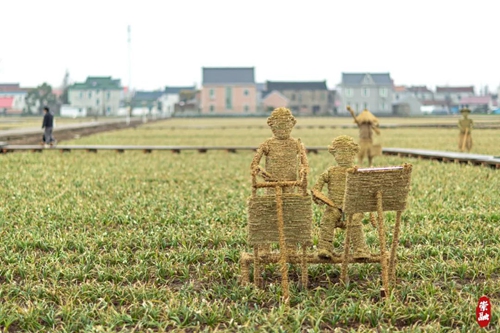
48 124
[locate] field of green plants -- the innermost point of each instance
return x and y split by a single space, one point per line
151 242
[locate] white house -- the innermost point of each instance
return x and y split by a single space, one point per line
170 98
16 96
99 95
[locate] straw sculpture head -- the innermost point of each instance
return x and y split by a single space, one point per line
344 149
366 117
281 122
465 111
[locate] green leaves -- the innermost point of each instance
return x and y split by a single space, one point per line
152 242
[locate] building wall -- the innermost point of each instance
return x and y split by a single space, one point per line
19 102
454 97
243 99
376 98
307 101
274 100
95 100
168 101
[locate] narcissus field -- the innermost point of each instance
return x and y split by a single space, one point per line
151 242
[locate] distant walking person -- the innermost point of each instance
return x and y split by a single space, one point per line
48 124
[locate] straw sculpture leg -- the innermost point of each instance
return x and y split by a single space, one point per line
394 245
347 245
305 279
465 139
381 235
283 247
245 271
256 266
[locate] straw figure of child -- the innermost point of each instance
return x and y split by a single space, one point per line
465 126
367 124
285 156
344 150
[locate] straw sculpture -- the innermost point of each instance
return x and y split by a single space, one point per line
344 150
367 124
377 190
465 126
282 215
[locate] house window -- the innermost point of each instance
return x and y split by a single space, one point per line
348 92
366 92
293 97
365 105
383 92
299 97
212 109
97 102
245 92
90 94
229 98
323 96
382 106
246 108
108 109
212 93
397 96
81 95
108 95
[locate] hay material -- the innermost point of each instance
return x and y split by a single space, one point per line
263 219
367 124
366 117
283 215
344 149
362 189
285 157
378 190
465 126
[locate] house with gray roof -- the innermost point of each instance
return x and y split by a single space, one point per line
228 90
373 91
98 94
304 97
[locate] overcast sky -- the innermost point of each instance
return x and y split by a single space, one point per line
422 42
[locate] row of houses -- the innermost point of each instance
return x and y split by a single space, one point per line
378 93
234 90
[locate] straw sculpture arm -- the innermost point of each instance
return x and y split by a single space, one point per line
256 160
318 187
304 164
351 111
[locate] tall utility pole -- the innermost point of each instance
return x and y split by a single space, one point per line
129 91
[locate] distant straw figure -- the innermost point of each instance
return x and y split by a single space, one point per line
344 150
286 158
367 123
465 126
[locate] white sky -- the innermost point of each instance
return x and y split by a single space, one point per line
422 42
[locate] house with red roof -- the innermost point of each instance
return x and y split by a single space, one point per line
12 98
479 104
